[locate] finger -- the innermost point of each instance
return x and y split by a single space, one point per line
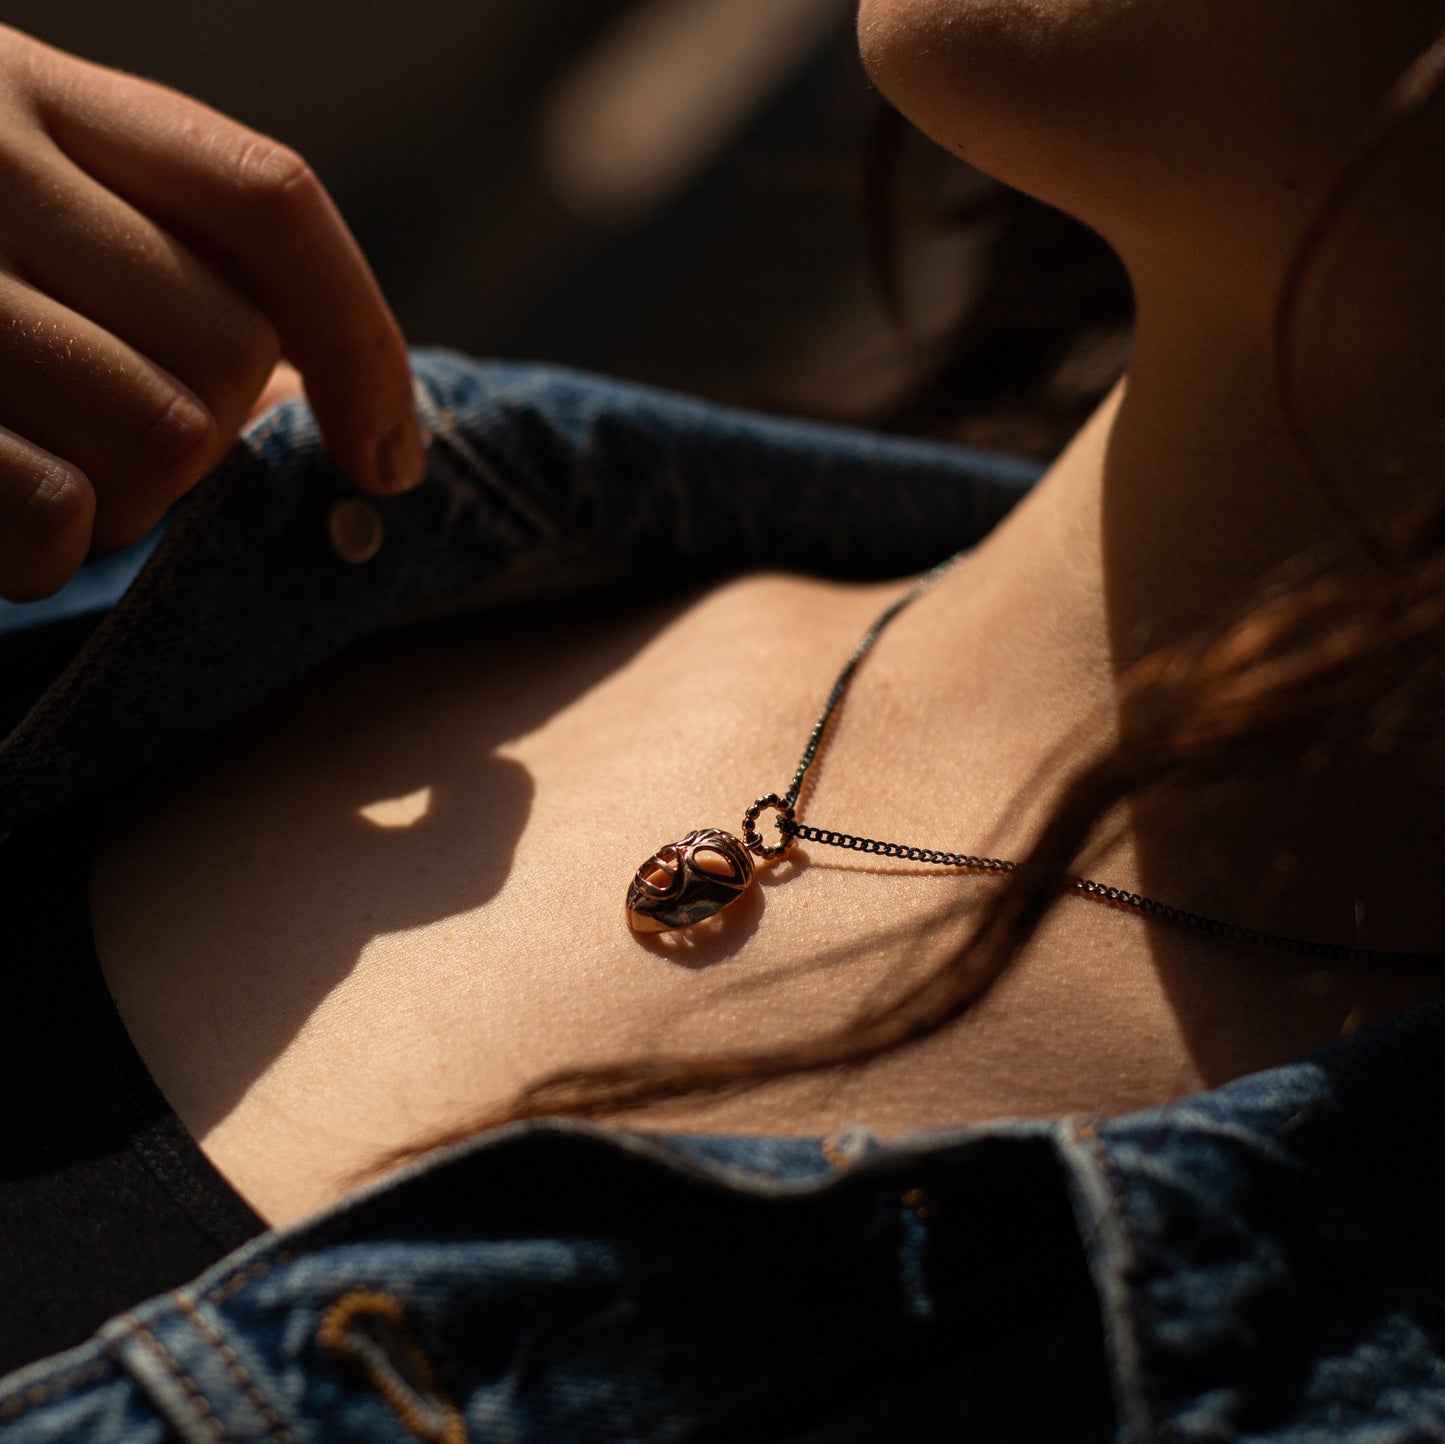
46 510
251 206
142 437
101 258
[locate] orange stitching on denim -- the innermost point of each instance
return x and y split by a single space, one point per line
38 1394
239 1375
200 1405
1088 1132
333 1335
238 1283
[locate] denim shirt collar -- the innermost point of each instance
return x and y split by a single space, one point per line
1271 1251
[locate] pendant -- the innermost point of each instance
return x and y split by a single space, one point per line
687 882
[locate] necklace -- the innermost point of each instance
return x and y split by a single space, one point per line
684 883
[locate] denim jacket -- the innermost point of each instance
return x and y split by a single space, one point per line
1263 1262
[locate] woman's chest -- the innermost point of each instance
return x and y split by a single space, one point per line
395 896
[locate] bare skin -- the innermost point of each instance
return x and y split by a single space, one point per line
312 988
392 903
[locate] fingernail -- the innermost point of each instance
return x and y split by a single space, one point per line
401 457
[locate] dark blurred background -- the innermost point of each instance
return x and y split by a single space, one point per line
704 194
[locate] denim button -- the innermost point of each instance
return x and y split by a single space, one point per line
355 528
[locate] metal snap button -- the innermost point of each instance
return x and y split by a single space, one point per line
355 528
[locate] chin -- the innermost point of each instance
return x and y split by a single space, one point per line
1117 110
1007 85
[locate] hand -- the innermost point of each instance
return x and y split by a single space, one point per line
156 259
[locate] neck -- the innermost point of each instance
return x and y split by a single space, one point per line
1177 503
1185 491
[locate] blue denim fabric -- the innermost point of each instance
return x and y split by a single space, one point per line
1267 1258
94 589
541 483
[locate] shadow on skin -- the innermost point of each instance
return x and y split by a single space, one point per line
714 941
1287 850
408 828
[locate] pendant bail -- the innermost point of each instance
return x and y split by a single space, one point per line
754 839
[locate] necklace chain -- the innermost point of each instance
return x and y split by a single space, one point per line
793 830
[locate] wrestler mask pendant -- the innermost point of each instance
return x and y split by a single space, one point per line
689 881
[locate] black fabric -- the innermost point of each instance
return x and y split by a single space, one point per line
31 659
105 1199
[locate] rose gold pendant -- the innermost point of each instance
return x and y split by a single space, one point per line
687 882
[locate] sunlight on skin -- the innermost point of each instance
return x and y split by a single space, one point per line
398 811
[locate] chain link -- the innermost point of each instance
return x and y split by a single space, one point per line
1110 897
925 583
966 862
